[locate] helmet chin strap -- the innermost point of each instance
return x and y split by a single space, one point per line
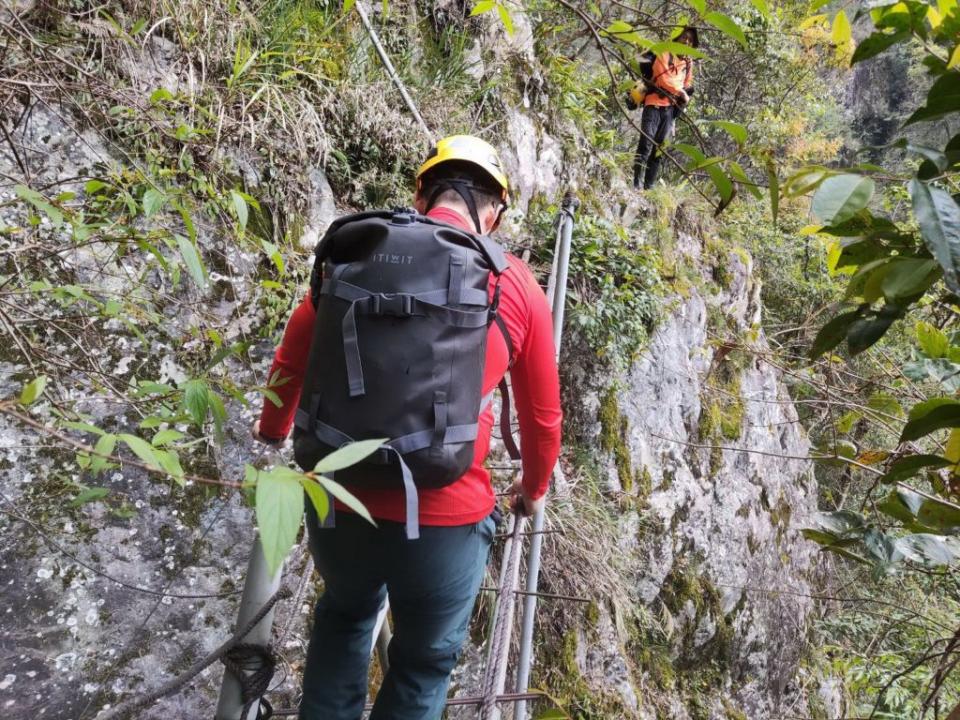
462 188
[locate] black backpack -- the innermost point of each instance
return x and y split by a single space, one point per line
398 349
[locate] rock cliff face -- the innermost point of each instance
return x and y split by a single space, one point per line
711 543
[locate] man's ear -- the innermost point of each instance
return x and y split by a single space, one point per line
491 217
419 203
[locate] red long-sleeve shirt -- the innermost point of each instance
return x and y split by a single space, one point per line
536 394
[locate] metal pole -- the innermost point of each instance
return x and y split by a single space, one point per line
559 299
391 71
258 588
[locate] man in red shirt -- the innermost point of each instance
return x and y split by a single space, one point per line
432 581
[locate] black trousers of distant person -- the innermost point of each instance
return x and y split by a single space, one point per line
656 124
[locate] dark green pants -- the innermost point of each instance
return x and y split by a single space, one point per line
432 582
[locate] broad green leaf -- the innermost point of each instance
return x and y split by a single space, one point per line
876 43
152 201
699 5
833 333
943 416
737 131
927 406
906 467
170 464
932 340
217 411
279 513
92 187
938 216
952 449
318 497
196 399
165 437
505 17
690 151
348 455
90 494
761 6
928 549
866 331
841 33
723 183
839 197
40 203
907 277
740 176
954 58
939 514
160 95
104 447
240 208
885 403
482 7
83 427
143 450
668 46
191 258
344 496
32 390
348 5
943 98
726 25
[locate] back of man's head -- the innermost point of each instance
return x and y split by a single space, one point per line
438 185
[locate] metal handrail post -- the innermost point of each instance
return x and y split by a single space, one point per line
559 299
258 588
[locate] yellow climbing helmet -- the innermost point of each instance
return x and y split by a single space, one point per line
467 148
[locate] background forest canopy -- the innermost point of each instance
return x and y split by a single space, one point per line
823 138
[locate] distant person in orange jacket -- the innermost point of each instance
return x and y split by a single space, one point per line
668 92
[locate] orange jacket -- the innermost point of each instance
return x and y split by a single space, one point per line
672 74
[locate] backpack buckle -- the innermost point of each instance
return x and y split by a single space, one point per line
395 304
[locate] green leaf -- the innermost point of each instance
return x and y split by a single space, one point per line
866 331
737 131
938 216
348 5
164 437
943 98
105 445
839 197
279 513
833 333
160 95
885 403
668 46
928 549
943 416
143 450
348 455
90 494
171 464
933 341
876 44
92 187
344 496
218 412
196 399
191 258
761 6
40 203
774 182
318 496
240 208
907 277
726 25
699 5
841 33
740 176
482 7
152 201
906 467
939 514
33 389
505 17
